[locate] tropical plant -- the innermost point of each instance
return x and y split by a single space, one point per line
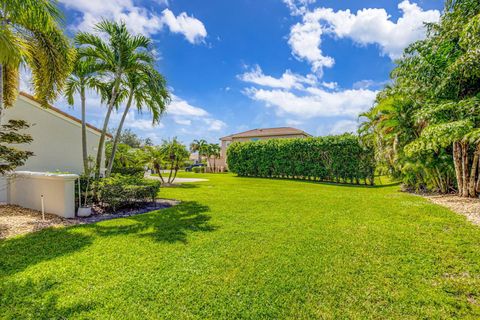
10 156
199 146
82 78
116 53
155 157
147 88
212 151
176 154
30 35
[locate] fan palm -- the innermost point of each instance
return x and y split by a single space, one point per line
30 35
148 89
119 54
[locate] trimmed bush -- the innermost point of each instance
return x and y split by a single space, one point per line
198 169
333 158
120 191
130 171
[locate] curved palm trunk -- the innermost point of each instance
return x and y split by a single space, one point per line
118 134
84 131
101 143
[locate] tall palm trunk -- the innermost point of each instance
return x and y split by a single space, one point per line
457 161
465 171
101 143
84 131
119 133
1 92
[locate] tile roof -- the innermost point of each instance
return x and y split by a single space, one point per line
267 132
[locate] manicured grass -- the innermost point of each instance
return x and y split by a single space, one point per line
253 249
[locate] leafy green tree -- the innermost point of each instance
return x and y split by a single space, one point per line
30 35
12 157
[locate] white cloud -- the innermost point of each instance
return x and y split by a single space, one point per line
183 122
298 7
330 85
316 102
343 126
288 80
215 124
367 26
138 19
192 28
180 107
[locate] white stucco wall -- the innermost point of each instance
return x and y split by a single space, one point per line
26 189
56 138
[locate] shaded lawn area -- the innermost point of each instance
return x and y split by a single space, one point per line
252 249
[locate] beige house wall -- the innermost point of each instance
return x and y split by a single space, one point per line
57 139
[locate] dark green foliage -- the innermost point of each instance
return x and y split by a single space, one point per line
119 191
130 171
332 158
11 157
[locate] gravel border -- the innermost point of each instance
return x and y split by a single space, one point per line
468 207
15 220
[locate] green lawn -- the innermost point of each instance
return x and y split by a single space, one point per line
253 249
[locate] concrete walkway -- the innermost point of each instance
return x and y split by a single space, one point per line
177 180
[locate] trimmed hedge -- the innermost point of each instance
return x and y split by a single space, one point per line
333 158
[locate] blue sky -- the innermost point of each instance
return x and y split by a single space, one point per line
239 65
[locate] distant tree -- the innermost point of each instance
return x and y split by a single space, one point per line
213 151
130 138
11 157
176 153
155 158
199 146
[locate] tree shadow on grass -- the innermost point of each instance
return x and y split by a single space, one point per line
169 225
29 299
18 253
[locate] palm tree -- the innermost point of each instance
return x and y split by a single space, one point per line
214 150
30 35
148 88
81 79
199 146
120 54
155 158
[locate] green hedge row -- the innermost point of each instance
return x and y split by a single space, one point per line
333 158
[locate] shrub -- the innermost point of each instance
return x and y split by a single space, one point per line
130 171
120 191
333 158
198 169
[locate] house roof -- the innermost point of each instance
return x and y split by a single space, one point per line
62 113
267 132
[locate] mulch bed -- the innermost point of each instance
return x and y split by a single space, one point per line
15 220
468 207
